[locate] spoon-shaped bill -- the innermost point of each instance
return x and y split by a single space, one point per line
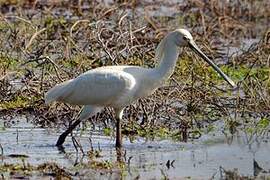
195 48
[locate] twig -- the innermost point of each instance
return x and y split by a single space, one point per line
77 145
33 37
2 151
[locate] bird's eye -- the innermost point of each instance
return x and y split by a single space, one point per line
185 38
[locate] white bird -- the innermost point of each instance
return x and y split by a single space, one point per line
119 86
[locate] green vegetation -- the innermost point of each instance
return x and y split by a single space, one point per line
9 63
18 102
26 170
107 131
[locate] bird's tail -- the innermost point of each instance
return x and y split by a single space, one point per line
58 92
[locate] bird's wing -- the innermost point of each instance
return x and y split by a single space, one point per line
98 87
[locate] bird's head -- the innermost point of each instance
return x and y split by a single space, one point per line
183 38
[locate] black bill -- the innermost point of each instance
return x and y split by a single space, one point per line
194 47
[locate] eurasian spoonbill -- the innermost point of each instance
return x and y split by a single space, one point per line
119 86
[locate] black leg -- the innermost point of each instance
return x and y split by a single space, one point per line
63 136
119 154
118 134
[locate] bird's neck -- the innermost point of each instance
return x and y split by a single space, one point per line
167 60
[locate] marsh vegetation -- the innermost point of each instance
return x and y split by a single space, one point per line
44 42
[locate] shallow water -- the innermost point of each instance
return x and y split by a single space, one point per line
199 159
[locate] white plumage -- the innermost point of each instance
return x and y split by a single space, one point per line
119 86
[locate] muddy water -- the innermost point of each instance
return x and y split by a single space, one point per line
147 159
